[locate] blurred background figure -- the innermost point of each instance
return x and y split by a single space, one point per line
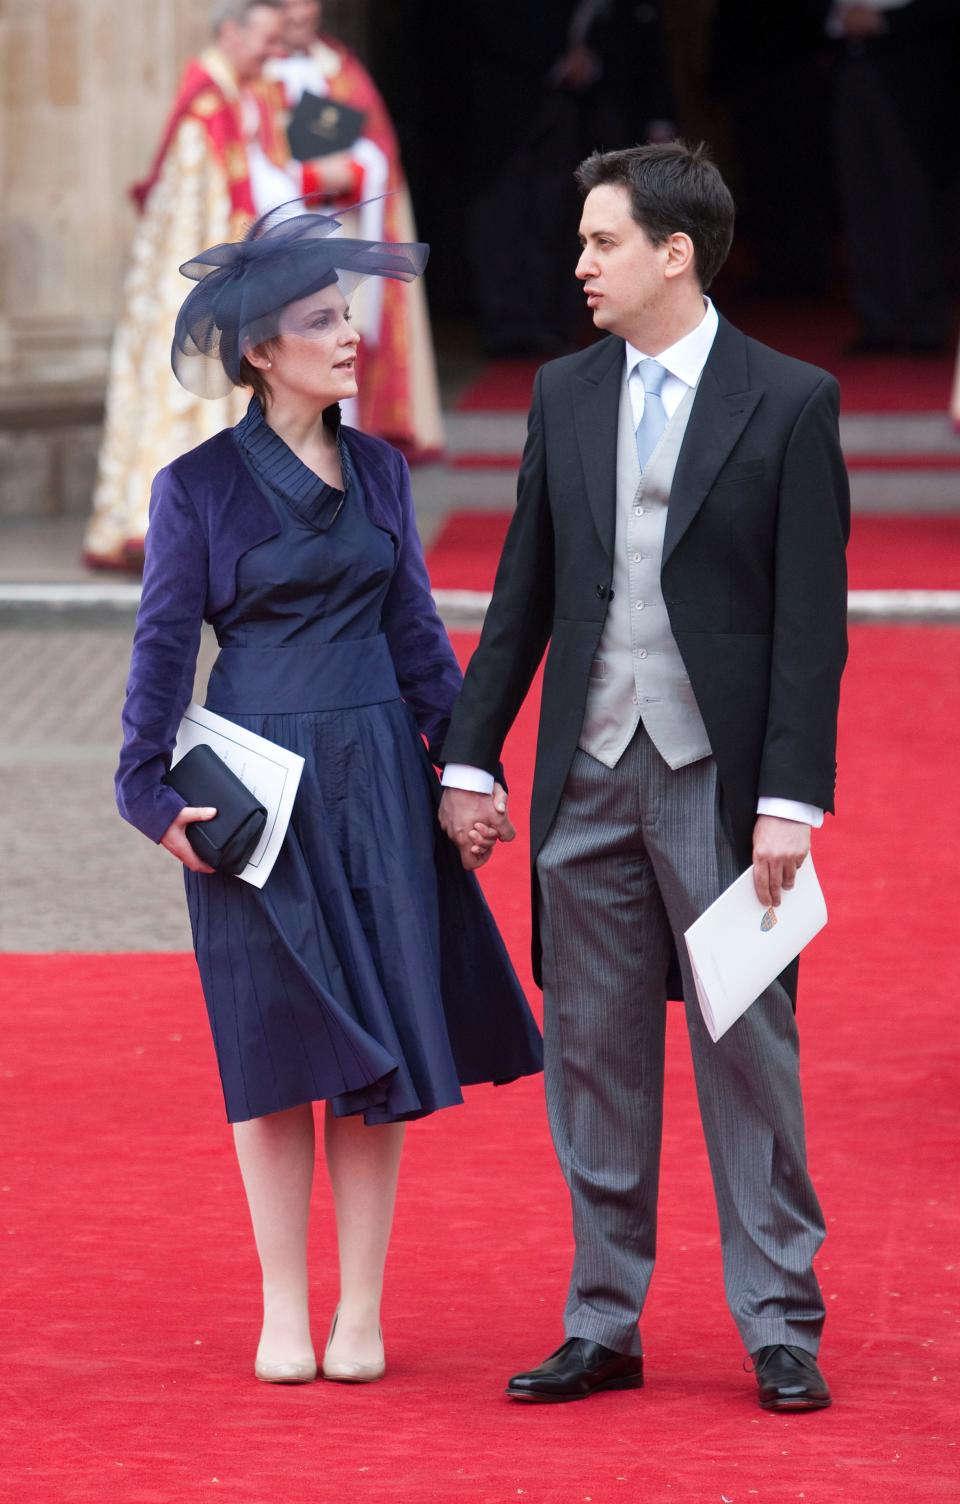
895 144
543 85
222 161
767 67
399 397
615 57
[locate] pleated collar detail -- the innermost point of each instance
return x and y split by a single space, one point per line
285 473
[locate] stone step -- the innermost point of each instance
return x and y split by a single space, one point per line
49 444
860 433
104 603
871 490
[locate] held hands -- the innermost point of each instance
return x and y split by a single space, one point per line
779 850
175 840
475 823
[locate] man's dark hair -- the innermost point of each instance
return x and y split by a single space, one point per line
674 189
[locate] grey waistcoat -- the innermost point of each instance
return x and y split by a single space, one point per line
638 673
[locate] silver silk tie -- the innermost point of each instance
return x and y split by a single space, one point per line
654 419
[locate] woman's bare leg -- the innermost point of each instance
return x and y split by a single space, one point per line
276 1155
364 1164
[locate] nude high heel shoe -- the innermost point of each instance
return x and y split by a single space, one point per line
285 1373
344 1371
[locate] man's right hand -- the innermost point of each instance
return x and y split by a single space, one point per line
475 822
174 838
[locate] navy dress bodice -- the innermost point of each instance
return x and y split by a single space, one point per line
315 591
323 578
367 971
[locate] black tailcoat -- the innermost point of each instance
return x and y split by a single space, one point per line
753 577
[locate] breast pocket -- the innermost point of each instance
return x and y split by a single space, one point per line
741 470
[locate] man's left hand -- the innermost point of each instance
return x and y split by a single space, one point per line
779 849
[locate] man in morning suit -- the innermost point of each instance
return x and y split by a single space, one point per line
679 541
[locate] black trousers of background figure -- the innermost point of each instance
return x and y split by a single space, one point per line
889 205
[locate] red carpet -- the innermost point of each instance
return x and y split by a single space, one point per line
129 1285
880 384
886 552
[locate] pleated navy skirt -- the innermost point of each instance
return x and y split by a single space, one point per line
368 971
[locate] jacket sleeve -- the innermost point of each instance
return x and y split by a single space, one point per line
519 620
427 669
810 608
164 657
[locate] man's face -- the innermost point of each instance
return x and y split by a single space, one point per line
622 271
301 22
249 43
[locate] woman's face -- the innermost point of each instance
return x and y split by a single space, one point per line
315 353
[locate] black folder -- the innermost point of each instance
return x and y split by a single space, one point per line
318 127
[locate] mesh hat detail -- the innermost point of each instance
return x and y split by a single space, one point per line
243 288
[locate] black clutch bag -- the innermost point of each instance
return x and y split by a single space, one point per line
319 127
228 841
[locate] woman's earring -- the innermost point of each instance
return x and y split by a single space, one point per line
268 365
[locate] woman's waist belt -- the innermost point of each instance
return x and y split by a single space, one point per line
301 678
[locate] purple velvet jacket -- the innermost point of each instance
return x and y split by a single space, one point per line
206 511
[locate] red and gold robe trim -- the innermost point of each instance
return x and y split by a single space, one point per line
386 395
209 93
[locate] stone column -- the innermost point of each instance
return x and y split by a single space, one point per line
85 88
86 85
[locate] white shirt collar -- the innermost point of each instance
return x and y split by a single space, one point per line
687 358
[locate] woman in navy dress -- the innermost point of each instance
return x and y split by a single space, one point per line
368 972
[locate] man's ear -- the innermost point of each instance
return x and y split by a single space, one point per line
681 256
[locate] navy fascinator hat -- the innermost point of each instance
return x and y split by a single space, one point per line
243 288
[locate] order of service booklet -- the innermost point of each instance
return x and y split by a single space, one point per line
270 772
737 947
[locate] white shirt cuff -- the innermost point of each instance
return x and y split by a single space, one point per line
790 809
459 775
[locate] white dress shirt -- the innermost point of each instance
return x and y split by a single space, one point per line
270 185
684 363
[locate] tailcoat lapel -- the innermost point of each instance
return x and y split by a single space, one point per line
721 411
596 408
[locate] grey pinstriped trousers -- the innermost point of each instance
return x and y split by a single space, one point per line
635 852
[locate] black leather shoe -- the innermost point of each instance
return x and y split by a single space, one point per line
789 1379
575 1371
